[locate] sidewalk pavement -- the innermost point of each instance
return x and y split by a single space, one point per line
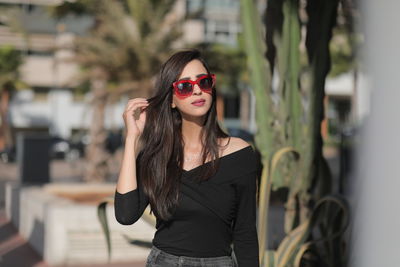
16 252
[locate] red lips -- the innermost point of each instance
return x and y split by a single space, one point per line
199 101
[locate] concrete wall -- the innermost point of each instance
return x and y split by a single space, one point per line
375 189
67 232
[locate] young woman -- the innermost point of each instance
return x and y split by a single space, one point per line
200 182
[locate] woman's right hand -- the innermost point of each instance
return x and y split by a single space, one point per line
134 128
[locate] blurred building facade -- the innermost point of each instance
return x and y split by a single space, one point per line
47 104
50 102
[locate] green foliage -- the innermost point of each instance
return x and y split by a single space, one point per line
318 240
260 74
10 60
102 216
292 123
343 56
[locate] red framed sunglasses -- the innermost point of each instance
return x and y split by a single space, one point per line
184 88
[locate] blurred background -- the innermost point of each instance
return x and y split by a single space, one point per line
293 79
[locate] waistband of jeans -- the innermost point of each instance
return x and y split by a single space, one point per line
175 257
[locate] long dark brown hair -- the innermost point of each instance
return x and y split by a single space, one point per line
160 160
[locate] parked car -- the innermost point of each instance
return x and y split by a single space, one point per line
8 155
59 147
114 141
79 141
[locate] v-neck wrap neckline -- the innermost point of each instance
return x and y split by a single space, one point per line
222 158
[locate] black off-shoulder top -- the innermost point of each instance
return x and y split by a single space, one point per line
211 215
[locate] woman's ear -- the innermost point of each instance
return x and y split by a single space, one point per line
173 105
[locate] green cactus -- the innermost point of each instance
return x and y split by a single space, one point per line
260 77
289 133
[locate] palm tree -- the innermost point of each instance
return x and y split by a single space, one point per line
127 43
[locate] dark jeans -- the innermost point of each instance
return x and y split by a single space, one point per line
159 258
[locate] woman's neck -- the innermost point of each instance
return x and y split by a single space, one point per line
191 133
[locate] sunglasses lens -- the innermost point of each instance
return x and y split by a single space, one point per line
184 88
206 83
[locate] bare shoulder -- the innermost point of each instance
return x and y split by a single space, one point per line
234 145
238 143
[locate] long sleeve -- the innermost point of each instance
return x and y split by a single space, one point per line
245 240
130 206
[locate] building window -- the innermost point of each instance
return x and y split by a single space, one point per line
222 4
222 28
42 53
231 107
41 93
221 31
193 6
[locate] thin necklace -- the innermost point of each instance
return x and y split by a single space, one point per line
192 157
